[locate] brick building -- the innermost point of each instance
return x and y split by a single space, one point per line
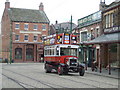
109 40
61 27
22 32
88 29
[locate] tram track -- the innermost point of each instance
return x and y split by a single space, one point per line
77 81
64 78
84 79
40 81
87 79
96 81
54 76
18 82
44 83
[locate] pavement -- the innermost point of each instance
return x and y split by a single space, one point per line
115 73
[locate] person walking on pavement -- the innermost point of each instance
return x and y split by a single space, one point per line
94 66
6 60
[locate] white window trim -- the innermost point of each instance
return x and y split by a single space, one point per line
45 28
26 28
37 27
85 30
24 38
18 38
109 20
112 18
35 40
18 24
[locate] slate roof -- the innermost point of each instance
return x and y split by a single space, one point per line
64 25
113 4
106 38
28 15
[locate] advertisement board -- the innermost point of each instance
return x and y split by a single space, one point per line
90 18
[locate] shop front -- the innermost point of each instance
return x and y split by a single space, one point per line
26 52
87 54
109 50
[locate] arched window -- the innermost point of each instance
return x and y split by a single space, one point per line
29 53
18 53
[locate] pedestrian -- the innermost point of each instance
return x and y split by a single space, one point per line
12 61
94 66
6 60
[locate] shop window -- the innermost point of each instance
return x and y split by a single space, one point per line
18 53
113 48
113 55
29 53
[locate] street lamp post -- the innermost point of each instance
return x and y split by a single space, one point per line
10 43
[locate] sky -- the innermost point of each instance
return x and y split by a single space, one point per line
60 10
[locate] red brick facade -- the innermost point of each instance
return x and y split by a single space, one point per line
26 38
24 45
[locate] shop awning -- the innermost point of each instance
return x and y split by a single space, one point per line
105 38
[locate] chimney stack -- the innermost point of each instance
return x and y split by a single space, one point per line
56 22
102 5
41 7
7 4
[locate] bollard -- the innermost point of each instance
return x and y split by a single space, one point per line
109 69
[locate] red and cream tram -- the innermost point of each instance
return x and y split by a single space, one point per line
61 53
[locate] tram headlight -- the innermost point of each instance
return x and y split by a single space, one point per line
68 62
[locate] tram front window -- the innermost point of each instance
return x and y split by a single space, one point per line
68 51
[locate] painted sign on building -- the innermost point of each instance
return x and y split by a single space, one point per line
90 19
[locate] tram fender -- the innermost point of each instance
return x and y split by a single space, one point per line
62 64
82 65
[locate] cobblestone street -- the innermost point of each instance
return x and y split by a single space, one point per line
32 75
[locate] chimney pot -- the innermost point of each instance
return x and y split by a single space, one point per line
7 4
56 22
41 7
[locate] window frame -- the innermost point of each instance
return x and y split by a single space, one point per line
34 38
44 27
26 28
25 37
17 37
17 27
35 25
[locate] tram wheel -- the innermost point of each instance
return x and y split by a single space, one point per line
82 72
60 70
47 68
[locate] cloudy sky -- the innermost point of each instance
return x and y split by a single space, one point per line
60 10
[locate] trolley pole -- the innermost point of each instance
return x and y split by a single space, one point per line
71 25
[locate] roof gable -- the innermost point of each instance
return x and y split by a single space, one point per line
27 15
